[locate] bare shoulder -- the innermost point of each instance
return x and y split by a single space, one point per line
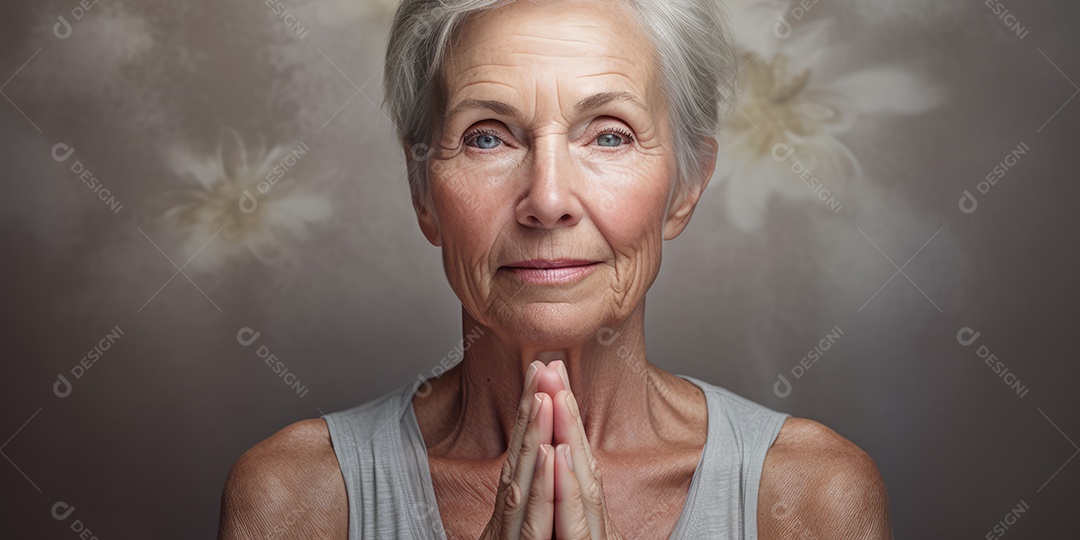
287 486
817 484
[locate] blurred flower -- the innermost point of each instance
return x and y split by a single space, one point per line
782 135
239 203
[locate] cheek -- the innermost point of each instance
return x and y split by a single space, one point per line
462 193
465 190
461 202
630 204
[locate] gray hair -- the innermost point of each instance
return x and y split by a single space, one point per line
695 58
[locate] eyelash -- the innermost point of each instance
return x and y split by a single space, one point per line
488 131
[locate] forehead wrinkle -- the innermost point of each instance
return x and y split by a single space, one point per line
485 81
502 65
556 39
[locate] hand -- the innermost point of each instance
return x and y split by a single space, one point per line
580 510
525 501
565 494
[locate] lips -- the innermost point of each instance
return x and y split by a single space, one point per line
547 264
563 272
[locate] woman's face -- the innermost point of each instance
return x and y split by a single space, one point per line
574 165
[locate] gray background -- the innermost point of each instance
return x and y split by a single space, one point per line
358 305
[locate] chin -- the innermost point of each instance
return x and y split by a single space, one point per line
553 325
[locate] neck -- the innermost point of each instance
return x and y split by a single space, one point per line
476 402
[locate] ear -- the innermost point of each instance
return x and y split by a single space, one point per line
685 200
425 215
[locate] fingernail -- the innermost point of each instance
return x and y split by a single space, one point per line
537 401
565 375
530 374
569 459
571 404
541 455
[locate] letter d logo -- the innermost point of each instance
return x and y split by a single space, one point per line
62 388
60 506
62 29
967 336
248 204
247 336
968 203
606 336
782 391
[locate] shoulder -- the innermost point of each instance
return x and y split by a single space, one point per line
289 485
816 483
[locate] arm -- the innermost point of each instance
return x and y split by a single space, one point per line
287 486
817 484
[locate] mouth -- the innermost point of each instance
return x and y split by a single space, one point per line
548 264
552 272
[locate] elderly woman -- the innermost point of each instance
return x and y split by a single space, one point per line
552 146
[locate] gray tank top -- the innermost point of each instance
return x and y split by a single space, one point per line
388 480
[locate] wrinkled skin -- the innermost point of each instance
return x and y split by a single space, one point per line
552 181
556 182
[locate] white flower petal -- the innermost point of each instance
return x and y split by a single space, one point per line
232 153
888 90
307 208
292 215
808 47
828 159
749 189
183 163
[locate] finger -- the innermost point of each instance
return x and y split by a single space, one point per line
539 518
521 424
524 409
570 427
570 430
560 366
570 520
552 378
517 496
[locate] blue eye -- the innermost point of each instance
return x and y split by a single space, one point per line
488 139
613 138
484 139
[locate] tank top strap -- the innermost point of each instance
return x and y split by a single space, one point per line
376 445
722 502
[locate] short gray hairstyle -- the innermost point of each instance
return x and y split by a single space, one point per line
694 53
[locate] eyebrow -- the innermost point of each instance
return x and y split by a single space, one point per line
594 101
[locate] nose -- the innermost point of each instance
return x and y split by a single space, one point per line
551 201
